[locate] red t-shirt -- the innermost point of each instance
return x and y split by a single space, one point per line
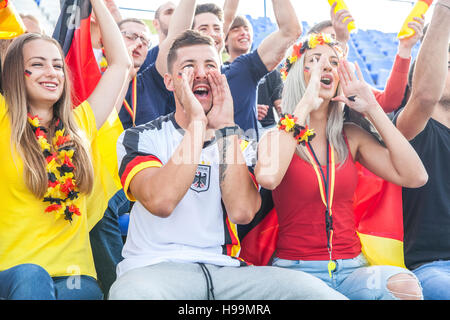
301 213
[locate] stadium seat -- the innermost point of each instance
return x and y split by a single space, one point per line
262 27
376 64
382 77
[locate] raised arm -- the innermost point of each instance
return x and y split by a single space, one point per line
340 21
429 75
273 48
105 96
181 20
230 8
392 95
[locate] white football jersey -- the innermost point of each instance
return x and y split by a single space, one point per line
198 230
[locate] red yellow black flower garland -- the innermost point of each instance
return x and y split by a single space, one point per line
313 40
62 190
302 134
3 4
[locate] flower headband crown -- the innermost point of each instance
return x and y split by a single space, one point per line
312 40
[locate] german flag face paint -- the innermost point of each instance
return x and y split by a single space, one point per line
27 73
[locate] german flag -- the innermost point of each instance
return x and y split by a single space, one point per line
73 33
11 24
379 218
259 237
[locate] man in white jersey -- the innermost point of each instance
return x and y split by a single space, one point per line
190 173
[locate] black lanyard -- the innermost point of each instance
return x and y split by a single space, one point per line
325 194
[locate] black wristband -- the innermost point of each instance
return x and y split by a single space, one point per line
227 131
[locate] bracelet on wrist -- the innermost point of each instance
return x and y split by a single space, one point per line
304 134
301 134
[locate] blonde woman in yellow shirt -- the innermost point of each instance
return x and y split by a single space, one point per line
47 169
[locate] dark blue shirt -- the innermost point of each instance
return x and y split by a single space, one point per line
243 76
152 54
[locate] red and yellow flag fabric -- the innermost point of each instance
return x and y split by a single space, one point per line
11 24
378 216
379 219
259 237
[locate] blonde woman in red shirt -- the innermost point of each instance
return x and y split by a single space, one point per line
309 163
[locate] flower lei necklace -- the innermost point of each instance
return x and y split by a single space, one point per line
62 189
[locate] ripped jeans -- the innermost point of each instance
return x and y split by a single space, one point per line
353 278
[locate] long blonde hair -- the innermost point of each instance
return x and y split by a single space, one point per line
293 91
23 138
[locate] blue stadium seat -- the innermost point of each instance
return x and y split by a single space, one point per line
389 52
262 27
362 65
373 50
382 77
372 55
376 64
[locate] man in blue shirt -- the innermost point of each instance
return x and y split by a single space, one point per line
151 99
239 41
161 23
245 72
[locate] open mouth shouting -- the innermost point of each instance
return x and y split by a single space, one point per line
327 81
202 91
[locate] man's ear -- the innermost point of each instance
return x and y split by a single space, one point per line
168 81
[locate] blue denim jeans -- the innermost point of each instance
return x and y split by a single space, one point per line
354 278
32 282
106 241
434 278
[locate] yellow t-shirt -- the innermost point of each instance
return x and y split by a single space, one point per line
27 233
104 158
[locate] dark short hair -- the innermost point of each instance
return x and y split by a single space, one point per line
318 27
134 20
186 39
239 21
209 8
